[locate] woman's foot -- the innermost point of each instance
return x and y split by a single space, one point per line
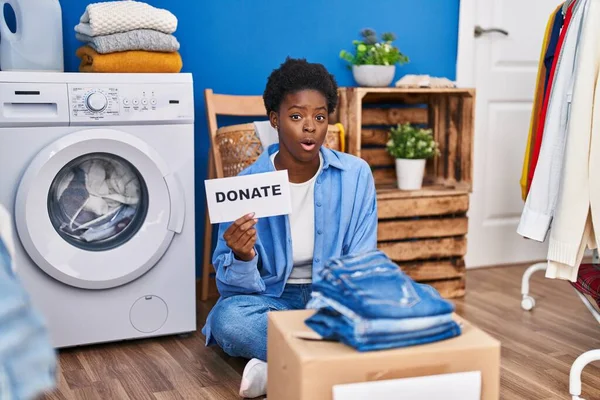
254 379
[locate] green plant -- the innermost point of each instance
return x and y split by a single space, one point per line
408 141
370 51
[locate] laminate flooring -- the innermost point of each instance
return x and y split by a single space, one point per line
538 348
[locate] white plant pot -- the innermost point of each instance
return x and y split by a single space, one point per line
410 173
374 75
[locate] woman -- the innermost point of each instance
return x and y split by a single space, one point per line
269 264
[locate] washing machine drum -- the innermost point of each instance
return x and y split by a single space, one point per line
98 208
98 201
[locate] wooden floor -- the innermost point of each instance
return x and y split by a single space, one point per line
538 349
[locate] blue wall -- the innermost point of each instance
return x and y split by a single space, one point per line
233 45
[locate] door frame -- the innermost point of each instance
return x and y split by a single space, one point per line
465 54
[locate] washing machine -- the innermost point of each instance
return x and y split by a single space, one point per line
98 170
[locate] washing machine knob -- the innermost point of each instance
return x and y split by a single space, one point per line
96 102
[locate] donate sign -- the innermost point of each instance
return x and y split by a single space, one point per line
266 195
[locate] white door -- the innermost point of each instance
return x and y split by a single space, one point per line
503 69
98 208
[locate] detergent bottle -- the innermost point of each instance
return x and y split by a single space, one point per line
37 44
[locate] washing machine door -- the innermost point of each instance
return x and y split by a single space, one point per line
98 208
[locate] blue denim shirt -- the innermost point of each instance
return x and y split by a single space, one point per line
345 223
27 359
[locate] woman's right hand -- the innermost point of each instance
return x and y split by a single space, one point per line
241 237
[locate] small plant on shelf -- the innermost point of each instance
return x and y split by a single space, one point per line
374 61
411 146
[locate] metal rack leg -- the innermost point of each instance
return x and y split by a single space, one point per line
576 370
528 302
586 358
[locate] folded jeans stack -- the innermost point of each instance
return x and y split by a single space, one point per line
367 302
127 36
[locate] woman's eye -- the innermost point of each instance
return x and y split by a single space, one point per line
296 117
320 118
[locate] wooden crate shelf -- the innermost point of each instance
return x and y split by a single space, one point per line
423 231
369 113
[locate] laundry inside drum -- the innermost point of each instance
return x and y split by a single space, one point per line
98 201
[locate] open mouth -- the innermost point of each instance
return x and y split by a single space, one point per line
308 144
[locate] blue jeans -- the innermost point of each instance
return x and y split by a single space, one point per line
367 302
239 323
362 328
27 359
374 287
327 323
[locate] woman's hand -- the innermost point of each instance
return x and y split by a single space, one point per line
241 237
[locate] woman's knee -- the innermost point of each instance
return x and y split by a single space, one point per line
228 310
239 324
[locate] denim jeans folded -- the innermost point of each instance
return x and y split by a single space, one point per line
360 327
374 287
327 323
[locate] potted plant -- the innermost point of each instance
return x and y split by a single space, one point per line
411 147
374 62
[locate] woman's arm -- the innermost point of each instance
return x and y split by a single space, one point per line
235 275
364 235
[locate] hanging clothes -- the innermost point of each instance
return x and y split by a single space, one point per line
542 196
563 192
552 61
572 228
559 25
540 90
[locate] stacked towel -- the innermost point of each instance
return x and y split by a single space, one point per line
127 36
424 81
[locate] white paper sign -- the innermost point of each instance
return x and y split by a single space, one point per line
458 386
266 195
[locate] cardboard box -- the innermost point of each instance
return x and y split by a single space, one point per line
303 369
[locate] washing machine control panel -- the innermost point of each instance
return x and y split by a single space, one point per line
130 103
94 102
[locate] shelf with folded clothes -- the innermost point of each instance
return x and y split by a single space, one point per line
128 37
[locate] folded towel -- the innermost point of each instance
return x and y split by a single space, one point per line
266 133
424 81
128 61
122 16
140 39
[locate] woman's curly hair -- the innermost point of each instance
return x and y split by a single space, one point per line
295 75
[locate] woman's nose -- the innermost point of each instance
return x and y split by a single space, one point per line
309 126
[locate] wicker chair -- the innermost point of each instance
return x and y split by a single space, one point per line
233 148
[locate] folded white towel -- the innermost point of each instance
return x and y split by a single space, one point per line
266 133
424 81
122 16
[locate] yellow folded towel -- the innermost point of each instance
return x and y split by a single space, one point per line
128 61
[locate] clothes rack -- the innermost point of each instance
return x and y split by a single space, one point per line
528 303
555 178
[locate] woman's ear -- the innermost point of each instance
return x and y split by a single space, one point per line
274 118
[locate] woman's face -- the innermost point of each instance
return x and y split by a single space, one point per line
302 123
